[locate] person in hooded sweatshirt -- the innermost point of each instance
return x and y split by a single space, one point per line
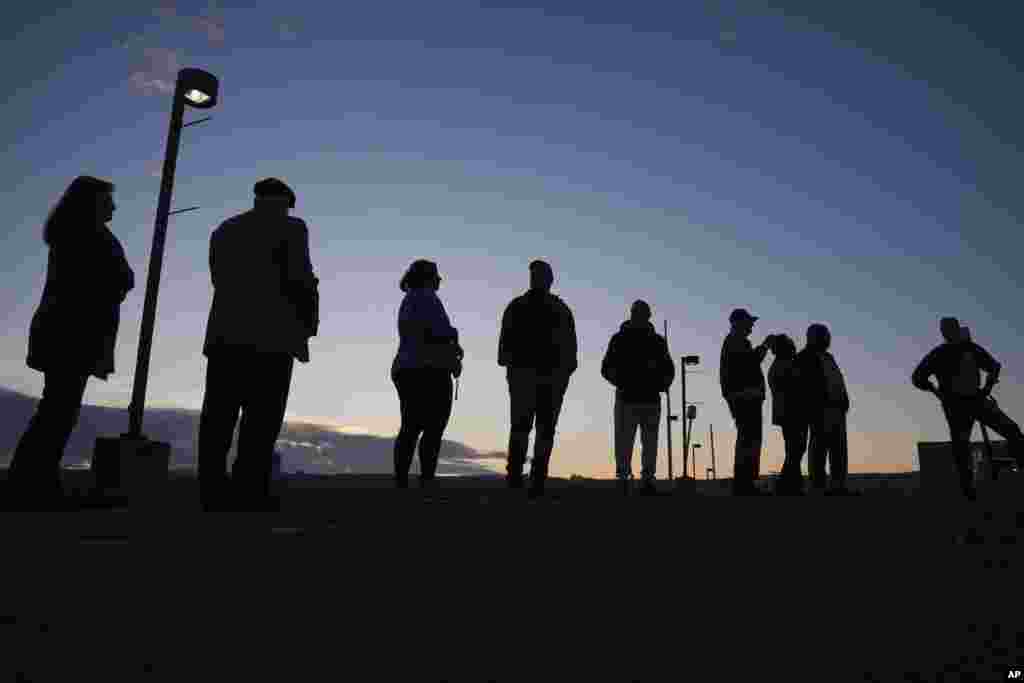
826 403
640 367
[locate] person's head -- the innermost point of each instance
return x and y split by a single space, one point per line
86 202
781 345
541 276
640 311
742 322
950 328
421 273
274 196
818 337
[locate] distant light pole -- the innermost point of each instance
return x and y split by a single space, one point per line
669 418
118 461
683 362
693 457
711 435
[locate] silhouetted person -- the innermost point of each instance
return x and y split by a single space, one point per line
428 356
72 334
537 347
743 388
787 411
992 416
826 402
638 363
957 364
264 311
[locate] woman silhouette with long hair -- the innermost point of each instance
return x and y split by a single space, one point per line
73 331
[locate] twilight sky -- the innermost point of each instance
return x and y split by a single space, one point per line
852 164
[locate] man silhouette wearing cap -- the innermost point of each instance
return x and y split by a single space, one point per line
264 310
537 348
638 364
743 387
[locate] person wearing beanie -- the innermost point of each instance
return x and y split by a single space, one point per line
639 366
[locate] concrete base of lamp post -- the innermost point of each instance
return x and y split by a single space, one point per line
126 467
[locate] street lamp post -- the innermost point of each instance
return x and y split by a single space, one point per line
132 459
199 89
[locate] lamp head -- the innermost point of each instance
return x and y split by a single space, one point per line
198 87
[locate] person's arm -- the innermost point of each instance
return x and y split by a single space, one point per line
921 377
608 365
573 343
214 239
298 267
437 327
505 337
761 351
991 367
669 368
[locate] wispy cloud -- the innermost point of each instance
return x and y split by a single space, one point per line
156 70
211 24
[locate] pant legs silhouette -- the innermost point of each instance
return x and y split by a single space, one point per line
257 384
425 397
534 396
990 415
748 417
35 468
795 436
960 416
629 417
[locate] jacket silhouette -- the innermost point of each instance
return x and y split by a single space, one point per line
264 309
810 381
72 334
538 332
638 363
75 326
263 285
824 403
537 347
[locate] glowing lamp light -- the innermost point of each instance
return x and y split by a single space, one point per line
197 97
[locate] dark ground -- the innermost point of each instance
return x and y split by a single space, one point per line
356 580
